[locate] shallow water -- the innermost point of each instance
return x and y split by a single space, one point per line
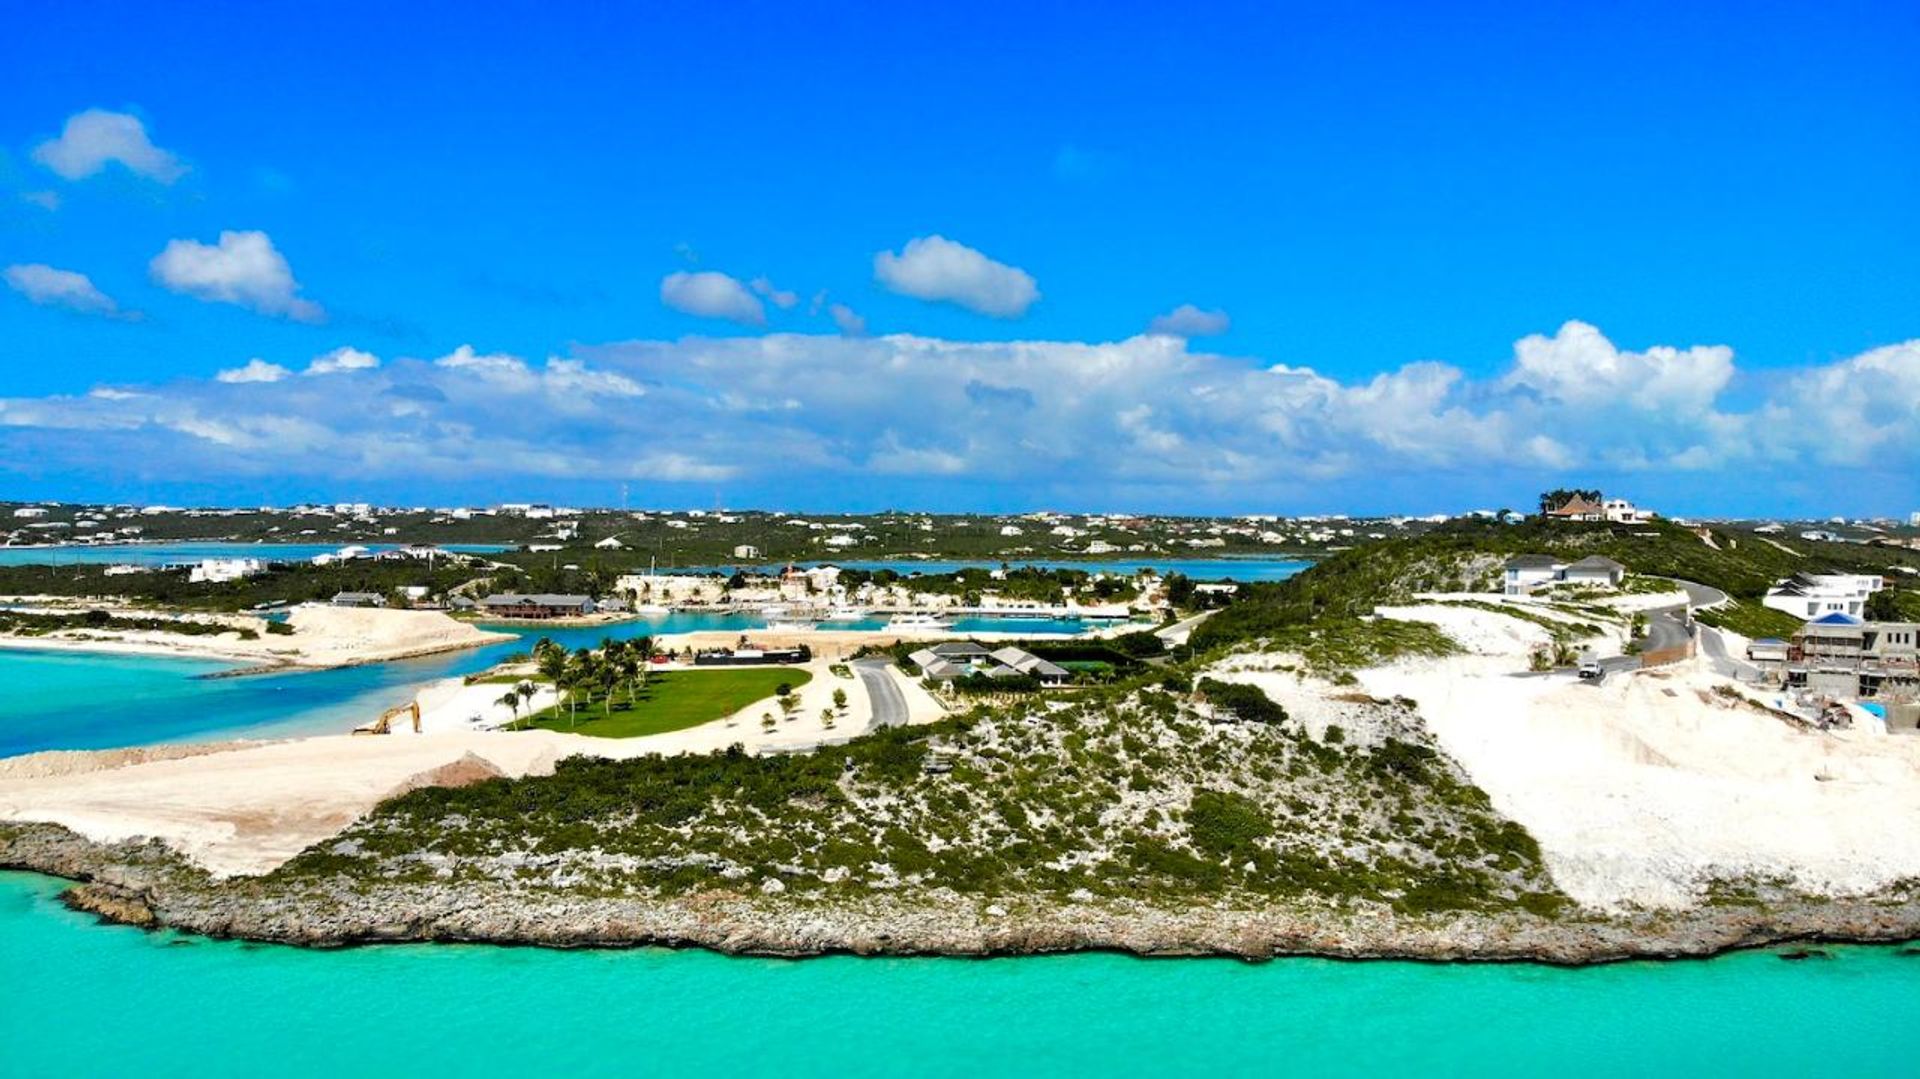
118 1001
72 700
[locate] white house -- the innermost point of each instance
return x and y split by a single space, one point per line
1595 570
218 570
1530 572
1621 511
746 550
1811 595
1526 572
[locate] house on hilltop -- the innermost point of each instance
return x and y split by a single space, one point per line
1579 508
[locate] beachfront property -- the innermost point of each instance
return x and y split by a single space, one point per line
1811 595
748 655
1528 573
541 605
1839 655
964 659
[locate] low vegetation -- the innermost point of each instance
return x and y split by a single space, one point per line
1144 796
1750 619
37 623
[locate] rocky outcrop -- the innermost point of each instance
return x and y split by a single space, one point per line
146 885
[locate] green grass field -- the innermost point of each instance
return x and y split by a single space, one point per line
672 701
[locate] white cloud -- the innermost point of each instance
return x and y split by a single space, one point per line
710 294
254 370
50 287
571 380
1861 411
344 358
778 297
1578 365
1190 321
244 268
936 268
1107 419
94 138
849 321
46 200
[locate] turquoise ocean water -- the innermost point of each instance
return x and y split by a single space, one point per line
86 999
69 700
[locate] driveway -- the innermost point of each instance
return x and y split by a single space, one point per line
889 704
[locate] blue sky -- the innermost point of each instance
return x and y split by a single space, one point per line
1704 219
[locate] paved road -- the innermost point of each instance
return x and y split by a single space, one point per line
889 704
1666 628
1700 595
1714 646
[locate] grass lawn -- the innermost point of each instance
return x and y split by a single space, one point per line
673 701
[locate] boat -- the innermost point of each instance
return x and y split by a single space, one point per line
918 621
843 614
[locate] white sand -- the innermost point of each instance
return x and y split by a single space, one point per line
1641 789
322 637
245 807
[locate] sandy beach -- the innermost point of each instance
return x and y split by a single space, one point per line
245 807
322 637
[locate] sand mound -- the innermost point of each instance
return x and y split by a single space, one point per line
73 762
329 636
471 768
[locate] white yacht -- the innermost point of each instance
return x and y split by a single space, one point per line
843 614
918 621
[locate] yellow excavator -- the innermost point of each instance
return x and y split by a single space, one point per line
384 725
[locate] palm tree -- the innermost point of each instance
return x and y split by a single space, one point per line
511 698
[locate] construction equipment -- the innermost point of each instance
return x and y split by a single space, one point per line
384 725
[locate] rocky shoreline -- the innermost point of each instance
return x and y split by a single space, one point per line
147 885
